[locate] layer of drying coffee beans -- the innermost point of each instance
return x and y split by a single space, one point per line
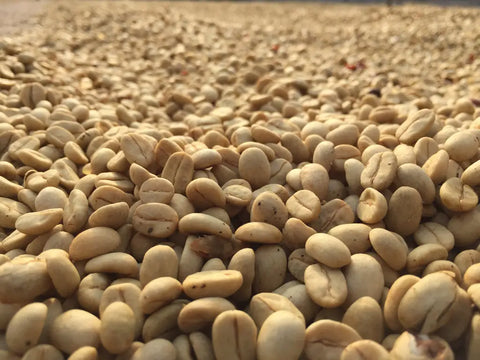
240 181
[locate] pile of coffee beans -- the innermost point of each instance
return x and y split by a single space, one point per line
240 181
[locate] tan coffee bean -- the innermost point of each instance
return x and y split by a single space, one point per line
366 318
90 291
197 223
158 293
264 304
32 94
93 242
328 250
327 287
324 154
50 198
115 262
415 126
153 348
205 193
434 233
234 336
196 344
422 346
75 214
281 335
404 211
159 261
383 114
156 190
457 196
75 153
423 255
413 176
298 261
391 247
365 350
270 268
444 265
372 206
379 171
64 275
74 329
304 205
23 280
405 154
138 148
258 232
418 310
462 145
436 166
295 234
355 236
112 216
202 312
35 159
128 293
333 213
254 167
353 170
364 277
237 195
461 315
163 322
314 177
39 222
117 329
106 195
178 170
25 327
269 208
212 283
244 262
155 219
329 338
297 293
43 352
205 158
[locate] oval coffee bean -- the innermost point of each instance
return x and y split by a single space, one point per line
214 283
117 329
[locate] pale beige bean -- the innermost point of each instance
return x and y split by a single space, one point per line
197 223
365 350
329 338
158 293
364 277
258 232
405 154
75 153
462 145
117 329
155 219
179 171
138 148
415 126
84 353
24 329
365 316
423 255
191 261
324 154
327 287
408 345
90 291
50 198
460 316
112 216
93 242
355 236
314 177
282 335
328 250
436 166
244 262
23 280
163 322
297 293
419 310
254 167
201 313
471 175
394 296
304 205
115 263
390 246
262 305
75 214
64 274
404 211
434 233
457 196
269 208
234 336
333 213
214 283
372 206
380 171
295 234
43 352
74 329
414 176
270 268
205 193
152 349
205 158
39 222
237 195
156 190
159 261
